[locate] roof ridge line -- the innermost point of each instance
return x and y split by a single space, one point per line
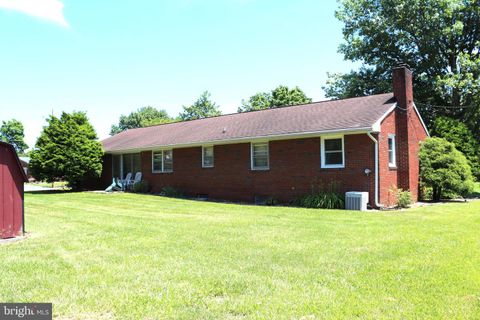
251 111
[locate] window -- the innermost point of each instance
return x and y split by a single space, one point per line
207 157
259 156
162 161
392 157
131 163
332 152
122 164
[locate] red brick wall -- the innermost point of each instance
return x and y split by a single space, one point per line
408 138
294 170
388 176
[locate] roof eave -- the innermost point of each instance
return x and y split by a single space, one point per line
377 126
286 136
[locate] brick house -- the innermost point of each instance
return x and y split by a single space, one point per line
360 144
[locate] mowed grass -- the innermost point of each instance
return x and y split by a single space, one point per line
126 256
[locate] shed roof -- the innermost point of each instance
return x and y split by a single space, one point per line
354 114
20 167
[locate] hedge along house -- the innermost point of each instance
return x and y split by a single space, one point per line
12 177
359 144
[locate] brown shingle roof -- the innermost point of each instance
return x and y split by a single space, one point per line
334 115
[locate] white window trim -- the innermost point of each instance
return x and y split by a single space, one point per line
322 152
394 151
163 163
203 155
251 156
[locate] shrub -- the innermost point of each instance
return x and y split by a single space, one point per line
444 168
171 192
404 198
141 187
459 134
323 200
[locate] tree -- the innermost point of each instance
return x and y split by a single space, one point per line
444 168
67 149
202 108
458 133
278 97
259 101
12 132
439 39
143 117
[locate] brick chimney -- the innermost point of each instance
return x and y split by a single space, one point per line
407 148
402 86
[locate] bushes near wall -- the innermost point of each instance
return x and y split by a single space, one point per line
321 200
171 192
141 187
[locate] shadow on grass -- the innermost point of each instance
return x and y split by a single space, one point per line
50 191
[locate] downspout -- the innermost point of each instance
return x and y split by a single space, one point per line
377 204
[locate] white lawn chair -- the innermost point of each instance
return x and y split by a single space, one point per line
137 179
125 181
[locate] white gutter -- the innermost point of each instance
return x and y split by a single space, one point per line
377 204
284 136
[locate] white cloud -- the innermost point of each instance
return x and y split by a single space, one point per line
44 9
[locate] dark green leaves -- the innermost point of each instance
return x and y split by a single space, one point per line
278 97
67 149
12 132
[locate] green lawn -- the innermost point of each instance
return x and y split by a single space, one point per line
125 256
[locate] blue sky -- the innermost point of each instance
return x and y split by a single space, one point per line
111 57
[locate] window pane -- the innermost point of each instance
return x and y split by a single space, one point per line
390 144
260 149
390 157
167 160
332 158
157 161
260 155
208 156
333 145
260 162
208 151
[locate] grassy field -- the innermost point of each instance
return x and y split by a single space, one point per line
125 256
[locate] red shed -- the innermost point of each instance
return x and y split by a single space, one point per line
12 178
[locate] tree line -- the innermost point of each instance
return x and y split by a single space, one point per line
204 107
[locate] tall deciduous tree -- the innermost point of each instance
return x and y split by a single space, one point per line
202 108
278 97
439 39
67 149
143 117
12 131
